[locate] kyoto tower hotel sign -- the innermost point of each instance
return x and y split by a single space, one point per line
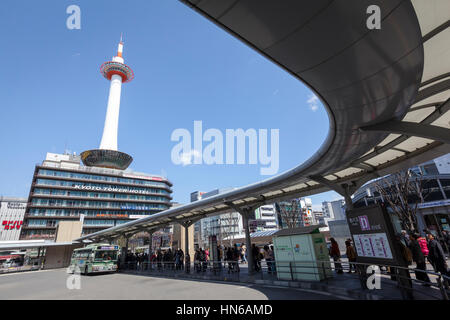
107 155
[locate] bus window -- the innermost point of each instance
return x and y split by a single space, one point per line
106 255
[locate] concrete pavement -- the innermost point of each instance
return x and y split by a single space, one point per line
51 284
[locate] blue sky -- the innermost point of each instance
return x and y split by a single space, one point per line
54 98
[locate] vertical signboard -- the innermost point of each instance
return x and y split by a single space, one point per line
373 235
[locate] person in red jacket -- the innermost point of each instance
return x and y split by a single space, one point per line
423 243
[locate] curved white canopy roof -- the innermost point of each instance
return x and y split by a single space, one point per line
386 92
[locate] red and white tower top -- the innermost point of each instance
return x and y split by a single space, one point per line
117 66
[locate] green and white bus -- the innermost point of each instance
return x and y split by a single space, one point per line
96 257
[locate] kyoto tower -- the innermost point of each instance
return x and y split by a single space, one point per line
107 155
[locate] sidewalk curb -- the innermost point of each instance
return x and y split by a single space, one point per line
350 293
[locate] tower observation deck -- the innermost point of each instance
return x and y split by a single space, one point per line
117 72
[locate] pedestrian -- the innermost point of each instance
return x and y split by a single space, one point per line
419 259
187 262
268 257
256 257
236 257
351 255
229 258
160 259
153 260
437 255
244 254
404 237
203 260
197 260
335 253
446 239
181 258
177 260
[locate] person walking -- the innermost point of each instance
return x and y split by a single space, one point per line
229 259
181 258
197 260
423 243
268 257
437 256
351 255
256 255
335 253
446 240
187 262
177 259
159 259
203 258
419 259
236 257
404 237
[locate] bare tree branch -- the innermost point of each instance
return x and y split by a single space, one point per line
403 191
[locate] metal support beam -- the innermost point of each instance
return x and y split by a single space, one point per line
344 190
124 251
341 189
245 212
412 129
150 244
186 224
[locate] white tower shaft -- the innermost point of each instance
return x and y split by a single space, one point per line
110 130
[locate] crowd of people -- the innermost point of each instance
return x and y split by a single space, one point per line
420 249
167 259
226 257
414 248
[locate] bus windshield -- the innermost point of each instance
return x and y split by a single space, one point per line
106 255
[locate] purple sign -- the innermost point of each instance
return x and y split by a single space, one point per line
364 223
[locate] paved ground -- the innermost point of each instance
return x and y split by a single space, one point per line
51 284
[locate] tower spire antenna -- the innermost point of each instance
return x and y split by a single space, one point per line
121 37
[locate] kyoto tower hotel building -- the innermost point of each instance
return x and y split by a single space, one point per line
101 192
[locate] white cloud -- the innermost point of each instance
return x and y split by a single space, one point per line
186 157
313 102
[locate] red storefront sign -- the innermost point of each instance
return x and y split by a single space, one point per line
11 225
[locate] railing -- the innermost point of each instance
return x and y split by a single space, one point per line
398 278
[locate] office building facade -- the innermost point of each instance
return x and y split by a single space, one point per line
62 189
333 210
298 212
12 212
